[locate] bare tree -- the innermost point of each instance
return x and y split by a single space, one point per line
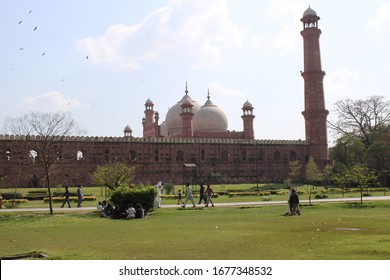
44 133
362 119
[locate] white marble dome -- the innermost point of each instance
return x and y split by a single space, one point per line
210 117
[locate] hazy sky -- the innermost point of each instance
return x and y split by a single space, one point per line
102 60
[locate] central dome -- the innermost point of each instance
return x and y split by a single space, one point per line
210 117
173 120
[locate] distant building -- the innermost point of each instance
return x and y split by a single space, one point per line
192 143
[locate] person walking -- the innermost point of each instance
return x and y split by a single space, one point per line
179 198
79 196
189 196
209 193
66 198
159 194
201 194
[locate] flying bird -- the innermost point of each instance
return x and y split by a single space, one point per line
20 22
21 49
30 12
43 54
87 57
35 28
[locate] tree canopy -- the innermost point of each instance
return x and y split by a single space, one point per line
113 175
363 127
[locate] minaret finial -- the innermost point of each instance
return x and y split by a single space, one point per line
208 94
186 89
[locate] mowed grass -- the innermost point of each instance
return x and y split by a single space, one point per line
331 231
99 193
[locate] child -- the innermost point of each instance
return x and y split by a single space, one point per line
179 201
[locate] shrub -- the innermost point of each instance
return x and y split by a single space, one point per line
38 192
169 188
233 194
124 196
36 195
320 196
12 195
14 203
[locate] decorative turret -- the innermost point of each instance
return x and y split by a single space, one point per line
128 131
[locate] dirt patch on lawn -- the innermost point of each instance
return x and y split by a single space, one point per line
348 229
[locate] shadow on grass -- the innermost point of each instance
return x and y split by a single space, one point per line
31 255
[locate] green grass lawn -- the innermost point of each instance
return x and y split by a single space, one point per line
100 194
329 231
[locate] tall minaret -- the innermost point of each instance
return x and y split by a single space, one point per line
315 113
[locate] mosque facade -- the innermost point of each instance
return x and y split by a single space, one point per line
191 144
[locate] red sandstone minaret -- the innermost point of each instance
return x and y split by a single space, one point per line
315 113
247 117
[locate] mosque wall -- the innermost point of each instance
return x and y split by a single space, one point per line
172 160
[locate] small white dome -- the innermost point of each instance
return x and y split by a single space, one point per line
247 105
127 129
309 12
149 102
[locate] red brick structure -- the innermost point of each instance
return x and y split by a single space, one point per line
191 144
315 113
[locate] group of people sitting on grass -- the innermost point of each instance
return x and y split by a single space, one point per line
106 210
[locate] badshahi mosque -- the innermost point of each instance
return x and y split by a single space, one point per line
191 144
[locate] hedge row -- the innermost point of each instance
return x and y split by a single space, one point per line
12 195
175 196
57 199
233 194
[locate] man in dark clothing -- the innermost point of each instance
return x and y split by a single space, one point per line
201 194
294 203
66 200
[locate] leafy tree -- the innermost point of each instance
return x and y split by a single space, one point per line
295 171
328 174
364 130
113 175
169 188
52 128
313 176
360 176
348 150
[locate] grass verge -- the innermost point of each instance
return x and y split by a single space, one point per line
331 231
